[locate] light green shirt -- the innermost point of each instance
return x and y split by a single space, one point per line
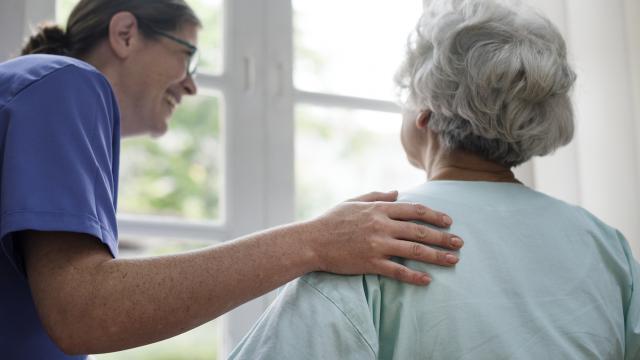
538 279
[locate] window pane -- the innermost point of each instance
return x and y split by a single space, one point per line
351 47
177 174
344 153
210 37
63 9
201 343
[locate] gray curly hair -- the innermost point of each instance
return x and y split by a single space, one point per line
495 76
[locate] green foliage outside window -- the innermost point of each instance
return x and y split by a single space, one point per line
178 174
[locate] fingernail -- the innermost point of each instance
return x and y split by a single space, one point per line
456 242
447 220
425 279
451 259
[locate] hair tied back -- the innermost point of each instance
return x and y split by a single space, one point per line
49 39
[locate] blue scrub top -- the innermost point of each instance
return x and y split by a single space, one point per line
59 157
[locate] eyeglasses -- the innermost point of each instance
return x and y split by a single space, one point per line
194 54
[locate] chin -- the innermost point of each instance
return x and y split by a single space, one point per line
158 133
159 129
415 163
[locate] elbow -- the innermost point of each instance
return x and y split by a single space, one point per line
82 330
68 324
70 348
65 335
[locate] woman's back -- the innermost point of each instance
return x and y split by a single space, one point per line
538 278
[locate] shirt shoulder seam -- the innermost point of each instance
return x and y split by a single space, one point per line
35 82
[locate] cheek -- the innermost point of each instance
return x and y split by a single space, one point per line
164 75
412 141
407 134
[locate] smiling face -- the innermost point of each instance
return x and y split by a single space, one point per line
161 80
148 74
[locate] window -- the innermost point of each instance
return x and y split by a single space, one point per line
346 124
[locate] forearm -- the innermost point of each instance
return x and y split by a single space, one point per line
91 303
120 304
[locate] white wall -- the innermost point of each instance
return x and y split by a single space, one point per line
600 169
14 27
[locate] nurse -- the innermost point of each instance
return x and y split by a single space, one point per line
120 69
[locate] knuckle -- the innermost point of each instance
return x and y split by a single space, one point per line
416 250
376 204
445 239
420 209
416 278
437 257
440 257
373 267
421 232
380 206
400 273
375 245
377 225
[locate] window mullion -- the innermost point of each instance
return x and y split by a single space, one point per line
344 101
279 131
244 131
244 125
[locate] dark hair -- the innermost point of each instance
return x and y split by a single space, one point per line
89 21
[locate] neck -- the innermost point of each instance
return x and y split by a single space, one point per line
463 165
101 58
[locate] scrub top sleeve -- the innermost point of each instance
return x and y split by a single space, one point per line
303 324
632 305
60 161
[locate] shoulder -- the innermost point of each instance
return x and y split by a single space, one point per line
336 291
307 321
348 295
63 74
336 307
598 228
56 92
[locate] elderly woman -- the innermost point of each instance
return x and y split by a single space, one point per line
487 88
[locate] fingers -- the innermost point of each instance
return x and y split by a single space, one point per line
377 196
402 273
408 211
419 233
423 253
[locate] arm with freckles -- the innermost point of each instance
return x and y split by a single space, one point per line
92 303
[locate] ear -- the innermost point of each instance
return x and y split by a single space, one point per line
123 33
422 120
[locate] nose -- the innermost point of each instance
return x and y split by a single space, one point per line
189 85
